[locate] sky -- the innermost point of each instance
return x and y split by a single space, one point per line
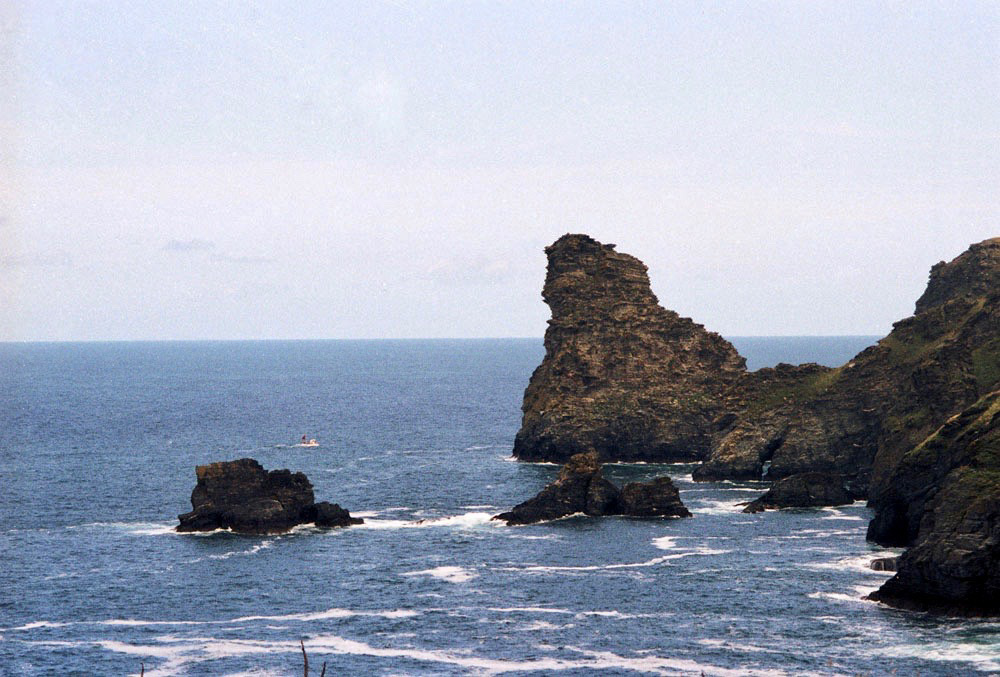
222 170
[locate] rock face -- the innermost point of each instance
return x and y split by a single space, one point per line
656 498
582 488
860 418
944 498
804 490
242 496
622 376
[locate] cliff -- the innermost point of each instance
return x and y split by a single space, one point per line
622 376
944 498
858 419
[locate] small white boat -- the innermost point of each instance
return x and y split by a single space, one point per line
307 442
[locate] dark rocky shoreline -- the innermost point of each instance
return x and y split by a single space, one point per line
627 380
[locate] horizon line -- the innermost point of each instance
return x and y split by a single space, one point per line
409 338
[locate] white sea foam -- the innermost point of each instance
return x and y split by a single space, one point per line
858 563
38 624
452 574
328 614
530 610
465 521
984 656
529 537
836 596
253 550
665 542
732 646
542 625
718 508
656 561
180 654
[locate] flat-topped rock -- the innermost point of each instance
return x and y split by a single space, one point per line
804 490
581 488
240 495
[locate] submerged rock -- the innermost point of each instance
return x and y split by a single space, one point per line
242 496
804 490
884 564
622 376
944 499
582 488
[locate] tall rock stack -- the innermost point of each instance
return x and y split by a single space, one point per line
622 376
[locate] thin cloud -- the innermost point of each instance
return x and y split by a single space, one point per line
36 260
227 258
185 246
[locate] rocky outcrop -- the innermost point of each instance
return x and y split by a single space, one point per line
242 496
860 418
656 498
804 490
944 498
582 488
622 376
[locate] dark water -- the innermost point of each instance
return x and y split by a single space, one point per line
98 445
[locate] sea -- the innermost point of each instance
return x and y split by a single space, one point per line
98 448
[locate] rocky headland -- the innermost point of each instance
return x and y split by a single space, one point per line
943 499
909 423
581 488
622 376
242 496
857 420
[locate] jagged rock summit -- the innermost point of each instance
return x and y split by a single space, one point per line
622 376
242 496
581 488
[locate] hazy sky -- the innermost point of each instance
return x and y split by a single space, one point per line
394 169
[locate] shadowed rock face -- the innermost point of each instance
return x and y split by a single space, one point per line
621 376
242 496
944 498
582 488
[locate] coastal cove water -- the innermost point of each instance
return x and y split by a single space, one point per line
98 445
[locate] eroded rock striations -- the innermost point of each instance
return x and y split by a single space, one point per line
242 496
582 488
622 376
944 499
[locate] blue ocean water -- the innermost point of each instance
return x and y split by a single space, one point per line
98 444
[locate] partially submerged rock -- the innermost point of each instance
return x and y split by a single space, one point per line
656 498
884 564
944 499
622 376
804 490
242 496
582 488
